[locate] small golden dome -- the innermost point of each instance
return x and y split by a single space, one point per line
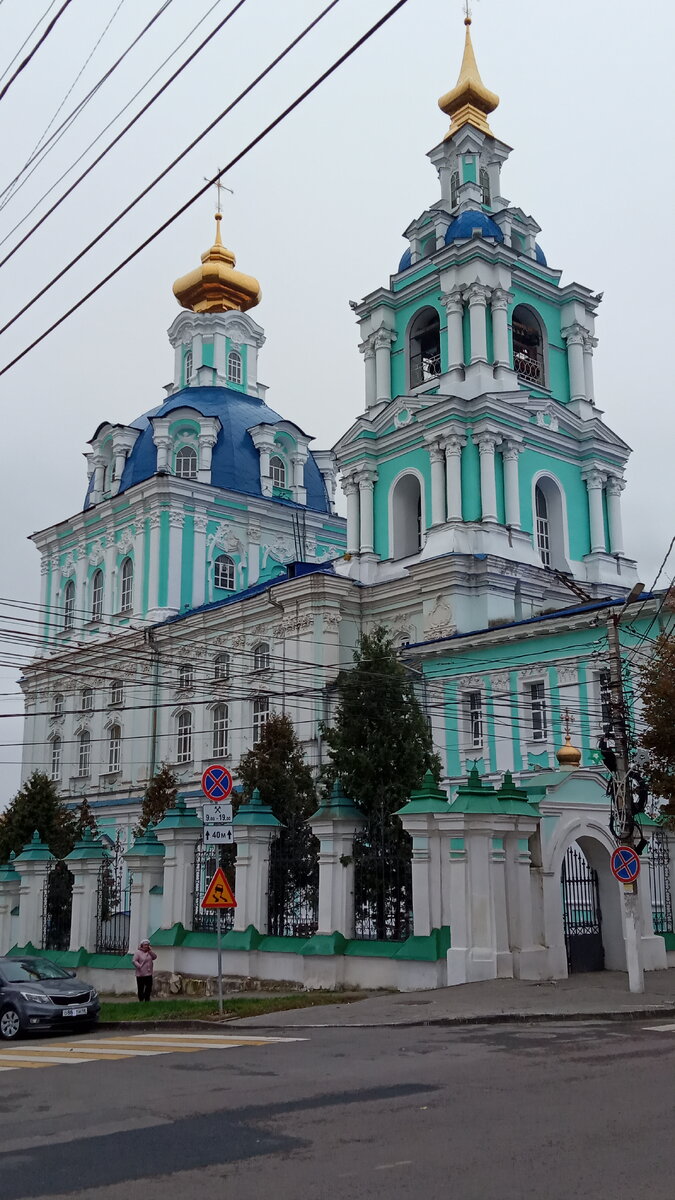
469 102
568 755
216 286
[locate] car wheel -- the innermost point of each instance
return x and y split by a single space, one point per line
10 1024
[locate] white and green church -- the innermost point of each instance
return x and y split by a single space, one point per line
210 579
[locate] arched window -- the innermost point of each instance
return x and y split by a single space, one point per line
261 656
117 693
188 366
55 772
234 372
549 523
86 700
261 714
114 748
84 753
484 186
97 596
186 676
220 731
424 354
221 666
454 188
223 575
186 463
184 737
58 705
278 471
127 587
406 517
528 345
69 605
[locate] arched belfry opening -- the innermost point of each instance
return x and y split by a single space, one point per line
424 347
528 345
406 517
549 523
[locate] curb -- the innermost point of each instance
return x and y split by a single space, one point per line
184 1026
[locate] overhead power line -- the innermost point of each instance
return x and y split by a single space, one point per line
207 186
27 38
31 54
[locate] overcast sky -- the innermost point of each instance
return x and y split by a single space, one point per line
587 91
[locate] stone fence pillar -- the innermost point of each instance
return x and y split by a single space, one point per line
145 863
10 883
254 827
85 862
179 831
418 818
334 823
33 866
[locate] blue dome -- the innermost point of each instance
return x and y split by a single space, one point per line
464 225
406 260
235 464
539 255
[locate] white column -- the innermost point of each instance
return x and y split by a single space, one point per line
453 474
81 597
44 585
454 307
206 443
574 336
139 561
437 457
351 490
253 553
10 882
179 832
163 445
477 297
500 328
177 365
199 560
154 521
590 343
367 349
383 341
197 353
488 487
366 484
594 481
219 355
511 485
176 522
615 486
99 475
86 875
110 598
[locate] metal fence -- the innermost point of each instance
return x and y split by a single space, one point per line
57 906
658 860
383 882
113 904
207 861
293 895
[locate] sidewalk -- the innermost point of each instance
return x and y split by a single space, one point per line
601 995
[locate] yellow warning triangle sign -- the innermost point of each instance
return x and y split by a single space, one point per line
219 894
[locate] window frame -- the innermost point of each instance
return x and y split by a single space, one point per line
220 733
184 733
186 677
87 700
56 759
116 693
188 360
84 754
114 749
223 659
423 367
59 705
231 573
474 718
235 357
97 592
538 710
69 605
127 584
538 377
261 715
261 657
542 526
181 456
278 477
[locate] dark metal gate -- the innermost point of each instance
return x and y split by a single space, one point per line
207 861
581 913
57 905
383 882
658 859
113 903
293 890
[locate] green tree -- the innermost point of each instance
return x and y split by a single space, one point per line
37 805
160 795
380 745
277 767
657 692
85 819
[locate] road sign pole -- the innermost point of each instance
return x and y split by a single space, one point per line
219 943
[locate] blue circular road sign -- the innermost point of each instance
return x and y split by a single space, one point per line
217 782
625 864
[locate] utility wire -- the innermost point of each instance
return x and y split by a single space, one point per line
206 187
26 40
105 129
31 54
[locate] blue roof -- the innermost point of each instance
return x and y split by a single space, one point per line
539 255
464 225
406 260
236 463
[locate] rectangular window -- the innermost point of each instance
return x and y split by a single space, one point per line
474 715
84 758
538 712
184 740
220 731
56 760
114 749
605 689
261 712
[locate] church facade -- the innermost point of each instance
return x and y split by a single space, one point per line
210 579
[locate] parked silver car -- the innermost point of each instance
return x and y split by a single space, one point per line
35 994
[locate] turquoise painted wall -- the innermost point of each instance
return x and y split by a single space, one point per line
471 510
146 565
416 459
163 559
569 476
187 561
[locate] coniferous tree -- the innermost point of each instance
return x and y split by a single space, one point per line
160 795
85 819
37 805
657 692
277 767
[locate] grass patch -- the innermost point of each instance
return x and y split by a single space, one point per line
204 1010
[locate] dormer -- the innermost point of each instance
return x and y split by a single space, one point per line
185 441
110 448
283 450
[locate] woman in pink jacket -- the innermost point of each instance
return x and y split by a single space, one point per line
143 965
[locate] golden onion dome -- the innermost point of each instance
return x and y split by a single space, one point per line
469 102
568 755
216 286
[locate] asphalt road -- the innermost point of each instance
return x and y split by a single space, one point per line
551 1112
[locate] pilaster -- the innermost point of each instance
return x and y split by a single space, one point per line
575 335
85 862
145 863
10 885
477 295
33 865
179 832
335 823
254 828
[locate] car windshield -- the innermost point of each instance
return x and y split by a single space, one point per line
23 970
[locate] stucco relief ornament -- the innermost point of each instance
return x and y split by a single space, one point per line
126 541
96 554
225 538
500 683
548 418
328 553
310 546
280 550
439 620
331 619
254 533
69 565
567 674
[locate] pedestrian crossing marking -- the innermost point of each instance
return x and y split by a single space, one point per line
110 1049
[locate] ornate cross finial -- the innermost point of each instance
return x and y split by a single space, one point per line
568 721
467 12
220 187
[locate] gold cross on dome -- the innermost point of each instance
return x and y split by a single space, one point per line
568 721
220 187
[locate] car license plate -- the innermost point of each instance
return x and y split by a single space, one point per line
74 1012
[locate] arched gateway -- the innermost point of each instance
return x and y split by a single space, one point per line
582 915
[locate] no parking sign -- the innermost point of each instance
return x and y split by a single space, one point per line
625 864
